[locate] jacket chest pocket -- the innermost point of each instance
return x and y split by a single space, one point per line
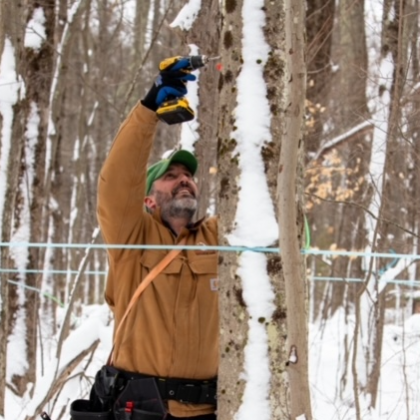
204 271
203 266
151 259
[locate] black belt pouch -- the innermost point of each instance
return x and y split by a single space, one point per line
140 400
100 403
82 410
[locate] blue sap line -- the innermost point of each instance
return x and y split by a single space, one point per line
219 248
47 295
39 271
399 282
412 283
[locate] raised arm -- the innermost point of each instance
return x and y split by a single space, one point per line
122 180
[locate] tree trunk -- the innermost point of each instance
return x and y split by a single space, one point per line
205 33
37 68
275 77
290 212
319 29
355 153
13 16
233 314
140 30
235 304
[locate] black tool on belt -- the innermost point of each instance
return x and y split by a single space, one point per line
189 391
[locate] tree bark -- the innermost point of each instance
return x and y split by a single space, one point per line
275 77
205 33
290 212
13 16
319 29
355 154
233 314
37 70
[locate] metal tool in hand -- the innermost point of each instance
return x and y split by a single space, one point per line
177 110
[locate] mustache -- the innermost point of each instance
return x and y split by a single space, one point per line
183 186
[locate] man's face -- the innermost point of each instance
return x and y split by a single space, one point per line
175 193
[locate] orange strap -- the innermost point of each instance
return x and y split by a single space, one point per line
140 288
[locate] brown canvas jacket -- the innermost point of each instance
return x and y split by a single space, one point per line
172 331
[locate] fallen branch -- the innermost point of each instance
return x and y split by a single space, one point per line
61 378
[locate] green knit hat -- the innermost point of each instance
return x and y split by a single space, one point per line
159 168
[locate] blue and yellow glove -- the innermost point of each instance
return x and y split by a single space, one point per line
171 82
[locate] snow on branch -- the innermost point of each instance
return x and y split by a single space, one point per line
359 129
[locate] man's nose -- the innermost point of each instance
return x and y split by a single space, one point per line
184 180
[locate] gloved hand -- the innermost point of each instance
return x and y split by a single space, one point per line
171 82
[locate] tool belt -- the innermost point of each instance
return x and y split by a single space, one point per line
189 391
121 395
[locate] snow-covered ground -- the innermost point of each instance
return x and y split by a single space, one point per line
399 389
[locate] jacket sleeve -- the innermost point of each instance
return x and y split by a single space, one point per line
122 180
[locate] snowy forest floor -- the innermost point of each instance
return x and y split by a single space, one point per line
331 383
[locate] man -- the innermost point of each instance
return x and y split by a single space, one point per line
171 332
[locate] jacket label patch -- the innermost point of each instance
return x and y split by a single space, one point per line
214 284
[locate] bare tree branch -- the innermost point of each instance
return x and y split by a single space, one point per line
352 203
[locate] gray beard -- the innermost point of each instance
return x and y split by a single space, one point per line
182 208
177 208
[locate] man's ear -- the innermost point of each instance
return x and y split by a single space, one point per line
150 203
